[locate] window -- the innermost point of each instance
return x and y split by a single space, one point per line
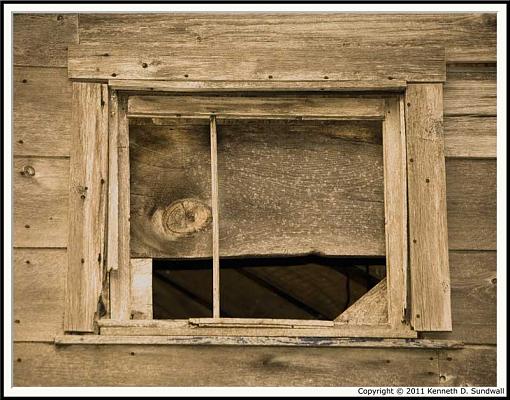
135 220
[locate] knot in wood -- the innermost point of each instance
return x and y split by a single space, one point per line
28 170
186 216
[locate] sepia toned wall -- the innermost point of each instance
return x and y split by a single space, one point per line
41 145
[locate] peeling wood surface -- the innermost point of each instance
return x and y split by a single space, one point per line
39 278
41 193
87 205
371 309
262 61
42 40
257 341
469 37
332 204
40 364
250 106
428 233
42 106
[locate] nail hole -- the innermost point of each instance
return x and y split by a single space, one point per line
16 321
106 55
494 281
83 261
414 240
408 104
20 141
417 315
28 261
270 76
24 81
442 378
18 360
431 373
83 196
390 78
411 160
326 77
27 226
102 180
114 74
60 18
132 353
186 75
427 180
144 65
431 358
449 358
388 361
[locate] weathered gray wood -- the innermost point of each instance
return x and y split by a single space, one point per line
120 279
87 205
325 197
474 283
42 106
471 199
395 213
130 365
428 234
38 287
262 61
253 86
467 37
41 193
42 39
257 341
371 309
251 106
141 288
471 366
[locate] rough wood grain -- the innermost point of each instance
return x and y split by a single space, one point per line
261 61
215 218
250 106
112 251
120 279
470 136
253 86
371 309
258 322
467 37
395 213
87 205
429 272
130 365
325 197
141 288
41 193
471 366
42 106
471 199
470 97
257 341
42 39
39 279
474 283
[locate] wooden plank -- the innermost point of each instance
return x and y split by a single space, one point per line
470 136
430 278
258 62
471 366
470 97
340 330
141 288
257 341
113 183
257 322
371 309
474 285
87 205
41 192
215 219
471 199
253 86
250 106
331 205
469 37
42 106
120 279
42 39
395 211
39 281
39 364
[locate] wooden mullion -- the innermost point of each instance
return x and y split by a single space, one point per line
215 221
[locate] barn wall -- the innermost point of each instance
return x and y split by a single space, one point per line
42 109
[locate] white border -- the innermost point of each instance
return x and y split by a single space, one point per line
125 8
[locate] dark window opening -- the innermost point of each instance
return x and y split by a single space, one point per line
309 287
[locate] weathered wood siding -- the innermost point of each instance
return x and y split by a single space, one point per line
42 109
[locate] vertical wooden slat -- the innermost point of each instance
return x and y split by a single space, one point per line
120 282
428 235
215 221
395 204
87 205
113 182
141 288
